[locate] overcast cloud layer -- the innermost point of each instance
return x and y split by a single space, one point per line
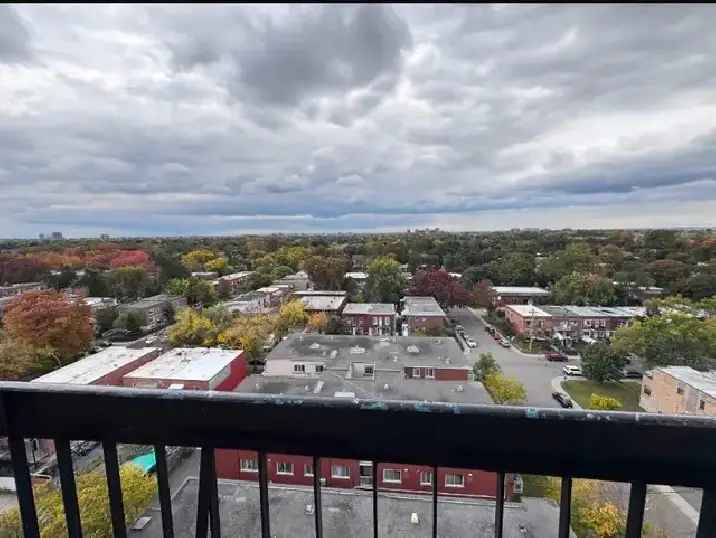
207 120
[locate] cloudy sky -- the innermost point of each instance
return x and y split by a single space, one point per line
167 120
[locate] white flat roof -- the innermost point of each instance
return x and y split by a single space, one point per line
375 309
519 290
703 381
93 367
323 302
357 275
527 310
187 364
240 274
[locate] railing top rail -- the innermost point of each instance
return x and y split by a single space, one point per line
612 445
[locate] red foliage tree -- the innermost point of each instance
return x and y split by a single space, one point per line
16 269
48 318
439 284
130 258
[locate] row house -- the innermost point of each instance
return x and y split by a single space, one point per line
390 368
490 296
369 319
329 302
422 315
277 295
679 390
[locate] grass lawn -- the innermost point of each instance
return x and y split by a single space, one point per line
626 392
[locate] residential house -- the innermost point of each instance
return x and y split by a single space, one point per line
297 282
677 390
422 314
369 319
330 302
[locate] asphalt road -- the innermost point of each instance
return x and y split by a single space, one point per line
534 372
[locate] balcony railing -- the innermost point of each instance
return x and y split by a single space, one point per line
629 447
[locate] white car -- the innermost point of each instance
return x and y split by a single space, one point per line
470 342
571 369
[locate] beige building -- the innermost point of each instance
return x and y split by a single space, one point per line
679 389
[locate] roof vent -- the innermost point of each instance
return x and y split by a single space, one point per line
413 349
357 350
459 388
334 354
309 508
258 386
438 341
307 388
447 360
414 519
386 387
315 345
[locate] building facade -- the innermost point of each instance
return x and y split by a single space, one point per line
154 309
422 315
679 390
369 319
490 296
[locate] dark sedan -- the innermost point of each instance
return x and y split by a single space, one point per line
563 399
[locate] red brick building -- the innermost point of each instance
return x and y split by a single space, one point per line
369 319
490 296
422 315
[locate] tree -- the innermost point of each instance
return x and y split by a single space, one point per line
326 272
484 366
95 282
192 329
668 273
602 364
224 290
439 284
604 403
385 281
504 390
196 259
318 322
104 319
584 289
292 314
169 266
177 286
128 282
138 490
19 360
63 280
130 258
130 321
220 265
200 292
49 319
248 333
700 286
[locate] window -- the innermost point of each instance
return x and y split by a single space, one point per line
375 320
454 480
283 467
319 368
416 372
647 391
308 469
368 370
299 368
392 476
429 373
340 471
249 465
679 390
702 405
426 478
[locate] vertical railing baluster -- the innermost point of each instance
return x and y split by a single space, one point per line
23 487
635 516
69 489
317 507
499 504
114 487
263 496
707 516
435 501
375 499
165 497
214 516
565 507
202 504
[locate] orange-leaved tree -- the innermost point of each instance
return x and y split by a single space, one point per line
49 319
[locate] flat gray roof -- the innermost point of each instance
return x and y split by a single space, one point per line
348 513
421 306
520 290
375 309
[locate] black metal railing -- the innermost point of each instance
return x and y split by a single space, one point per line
638 448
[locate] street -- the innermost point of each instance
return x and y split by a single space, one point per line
534 372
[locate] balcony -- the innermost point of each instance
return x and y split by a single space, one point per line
629 447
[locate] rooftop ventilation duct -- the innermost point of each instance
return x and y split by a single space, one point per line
414 519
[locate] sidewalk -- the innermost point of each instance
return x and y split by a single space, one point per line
557 387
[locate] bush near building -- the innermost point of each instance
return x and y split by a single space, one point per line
626 392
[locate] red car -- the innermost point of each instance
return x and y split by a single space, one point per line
555 356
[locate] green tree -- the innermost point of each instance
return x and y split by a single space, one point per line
200 292
604 403
385 281
128 282
292 314
668 273
105 318
602 364
484 366
583 289
62 280
132 321
504 390
95 282
326 272
177 286
138 490
192 329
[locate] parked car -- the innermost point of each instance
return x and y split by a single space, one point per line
504 342
571 369
633 374
470 341
459 329
489 329
563 399
555 356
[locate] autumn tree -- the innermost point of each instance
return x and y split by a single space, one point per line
49 319
601 363
439 284
292 314
385 281
128 282
195 260
326 272
318 322
248 333
503 389
130 258
19 360
219 265
192 329
668 273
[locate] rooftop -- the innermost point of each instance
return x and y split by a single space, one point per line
529 310
322 302
421 306
387 352
375 309
93 367
320 293
349 513
237 276
520 290
703 381
187 364
578 311
149 302
356 275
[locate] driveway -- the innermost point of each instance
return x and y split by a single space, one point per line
534 372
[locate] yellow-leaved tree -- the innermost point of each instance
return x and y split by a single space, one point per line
318 321
503 389
604 403
292 314
192 329
248 333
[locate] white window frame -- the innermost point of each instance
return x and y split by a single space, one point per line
284 473
430 373
253 468
299 368
372 370
335 466
416 372
399 480
306 467
424 482
461 485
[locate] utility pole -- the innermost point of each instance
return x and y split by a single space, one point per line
532 324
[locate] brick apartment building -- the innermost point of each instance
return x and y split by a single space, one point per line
500 296
570 323
191 368
422 314
154 309
369 319
391 368
677 390
234 281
